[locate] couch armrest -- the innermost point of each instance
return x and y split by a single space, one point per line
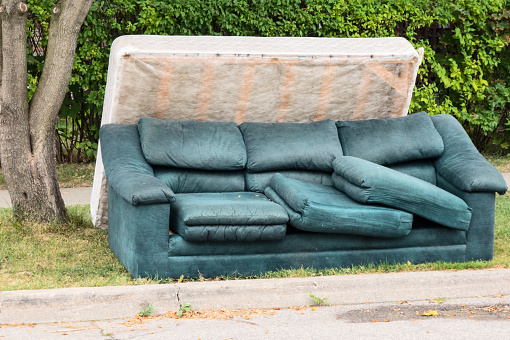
127 170
138 235
461 164
480 235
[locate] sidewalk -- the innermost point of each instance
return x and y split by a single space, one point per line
71 196
469 303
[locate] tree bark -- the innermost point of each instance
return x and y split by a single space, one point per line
27 132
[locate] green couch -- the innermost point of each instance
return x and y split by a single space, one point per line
215 198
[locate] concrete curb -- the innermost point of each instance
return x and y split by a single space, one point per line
98 303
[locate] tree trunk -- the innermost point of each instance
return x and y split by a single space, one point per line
27 132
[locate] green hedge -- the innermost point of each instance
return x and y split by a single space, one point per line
465 71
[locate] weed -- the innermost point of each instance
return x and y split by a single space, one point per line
147 311
21 228
184 308
438 300
318 301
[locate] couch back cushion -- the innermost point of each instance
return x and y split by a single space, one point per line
259 181
423 169
391 140
199 181
291 146
192 144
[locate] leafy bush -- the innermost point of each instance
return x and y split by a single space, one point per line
465 70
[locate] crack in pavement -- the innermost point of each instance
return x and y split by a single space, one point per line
178 298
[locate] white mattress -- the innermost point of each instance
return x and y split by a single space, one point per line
253 79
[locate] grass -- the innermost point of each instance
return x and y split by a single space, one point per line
69 175
75 175
34 256
502 163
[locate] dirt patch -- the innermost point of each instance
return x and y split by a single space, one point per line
406 311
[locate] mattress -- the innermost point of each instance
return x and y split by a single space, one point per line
255 79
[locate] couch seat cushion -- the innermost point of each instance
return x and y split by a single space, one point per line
368 182
192 144
291 146
322 208
229 216
391 140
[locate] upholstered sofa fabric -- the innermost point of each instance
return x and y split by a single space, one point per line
392 140
235 216
461 163
480 236
368 182
291 146
190 180
192 145
423 169
259 181
324 209
211 198
425 235
126 168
